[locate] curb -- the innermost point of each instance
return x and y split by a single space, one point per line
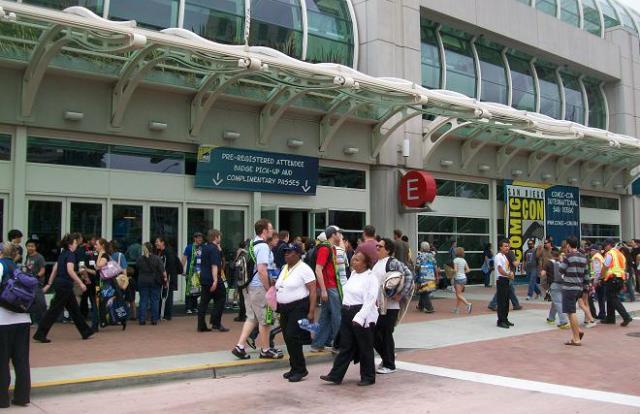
212 371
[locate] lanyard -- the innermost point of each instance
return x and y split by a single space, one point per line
286 271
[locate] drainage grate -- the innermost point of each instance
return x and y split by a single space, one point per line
634 334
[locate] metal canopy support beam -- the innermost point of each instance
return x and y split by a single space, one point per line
610 172
329 126
536 160
130 77
504 157
46 49
203 101
563 165
430 146
272 111
379 138
471 148
587 169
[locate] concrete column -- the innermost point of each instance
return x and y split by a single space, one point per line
19 208
628 219
255 210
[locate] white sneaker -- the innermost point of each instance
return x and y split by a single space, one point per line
385 370
589 324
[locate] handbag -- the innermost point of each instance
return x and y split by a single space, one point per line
110 270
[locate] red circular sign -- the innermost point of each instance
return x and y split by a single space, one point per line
417 188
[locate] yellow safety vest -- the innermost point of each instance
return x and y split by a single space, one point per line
618 264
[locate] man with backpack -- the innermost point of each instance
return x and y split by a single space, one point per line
260 259
389 306
326 271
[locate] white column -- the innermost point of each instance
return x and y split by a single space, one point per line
19 206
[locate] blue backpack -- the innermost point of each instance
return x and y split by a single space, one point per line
119 311
18 289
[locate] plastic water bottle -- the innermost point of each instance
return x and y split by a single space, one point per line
308 326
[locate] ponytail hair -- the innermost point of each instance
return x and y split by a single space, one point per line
147 249
107 246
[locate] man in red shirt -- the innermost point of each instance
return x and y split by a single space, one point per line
330 289
368 246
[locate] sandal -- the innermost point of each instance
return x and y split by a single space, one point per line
571 343
581 334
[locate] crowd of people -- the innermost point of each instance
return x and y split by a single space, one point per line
363 291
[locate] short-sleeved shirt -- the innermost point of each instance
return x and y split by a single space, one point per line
63 280
500 261
292 283
33 265
460 265
324 257
530 261
210 257
188 251
263 255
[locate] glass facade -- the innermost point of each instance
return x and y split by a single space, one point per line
86 218
597 106
95 6
494 76
233 232
63 152
591 16
547 6
523 89
5 147
163 221
550 99
604 203
151 14
127 230
330 37
430 56
449 188
221 21
574 99
461 69
611 18
570 12
351 223
143 159
598 233
198 220
277 24
45 221
342 178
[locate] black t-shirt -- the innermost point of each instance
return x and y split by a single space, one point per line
210 257
63 280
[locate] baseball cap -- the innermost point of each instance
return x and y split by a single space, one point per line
293 247
609 242
595 247
331 230
197 234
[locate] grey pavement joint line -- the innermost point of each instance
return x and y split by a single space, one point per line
520 384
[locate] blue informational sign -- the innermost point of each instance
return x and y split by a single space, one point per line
235 169
563 212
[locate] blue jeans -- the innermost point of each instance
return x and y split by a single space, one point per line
556 305
329 319
533 283
630 282
149 296
512 297
486 276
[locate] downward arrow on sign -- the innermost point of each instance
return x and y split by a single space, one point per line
217 180
306 186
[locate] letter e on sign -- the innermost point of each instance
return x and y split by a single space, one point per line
417 188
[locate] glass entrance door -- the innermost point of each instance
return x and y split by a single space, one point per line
317 222
164 221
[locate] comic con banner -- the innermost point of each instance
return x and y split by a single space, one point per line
525 216
563 212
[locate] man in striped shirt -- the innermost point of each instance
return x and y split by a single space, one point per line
574 275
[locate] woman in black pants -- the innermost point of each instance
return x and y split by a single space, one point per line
359 316
64 277
14 341
296 293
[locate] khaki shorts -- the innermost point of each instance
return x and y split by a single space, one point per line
256 304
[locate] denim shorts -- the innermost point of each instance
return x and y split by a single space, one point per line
569 299
460 282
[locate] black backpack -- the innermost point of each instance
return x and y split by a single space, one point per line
246 265
312 256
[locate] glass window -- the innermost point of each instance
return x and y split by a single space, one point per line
604 203
446 188
221 21
63 152
574 100
233 232
599 232
151 14
5 147
430 55
591 15
550 101
461 70
86 218
547 6
500 231
277 24
45 222
524 91
271 214
353 221
127 230
597 106
339 177
625 17
95 6
527 2
449 188
199 220
143 159
164 222
2 220
570 12
190 163
608 12
493 73
330 32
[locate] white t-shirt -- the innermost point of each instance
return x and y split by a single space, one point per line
500 261
264 255
291 284
11 318
459 264
380 271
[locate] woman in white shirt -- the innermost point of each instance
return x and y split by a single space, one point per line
14 342
460 279
359 316
296 295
